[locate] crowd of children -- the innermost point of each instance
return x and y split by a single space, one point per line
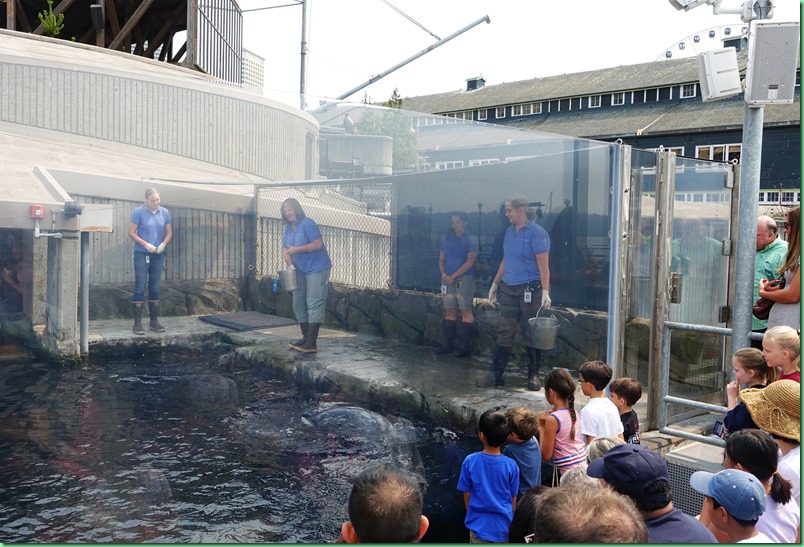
555 446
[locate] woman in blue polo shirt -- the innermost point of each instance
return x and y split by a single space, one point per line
523 283
456 261
303 248
151 229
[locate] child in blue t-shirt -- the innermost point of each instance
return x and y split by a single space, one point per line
489 482
523 448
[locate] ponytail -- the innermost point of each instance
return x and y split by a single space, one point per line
757 452
573 415
781 489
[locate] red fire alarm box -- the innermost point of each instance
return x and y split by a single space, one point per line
37 211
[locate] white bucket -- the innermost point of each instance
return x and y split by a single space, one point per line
543 331
288 279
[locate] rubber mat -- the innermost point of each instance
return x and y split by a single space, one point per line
246 320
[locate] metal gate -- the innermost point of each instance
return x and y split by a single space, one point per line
679 226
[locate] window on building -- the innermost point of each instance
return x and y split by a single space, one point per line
679 150
594 101
482 114
772 197
499 112
687 91
697 197
719 152
449 164
475 163
788 197
617 99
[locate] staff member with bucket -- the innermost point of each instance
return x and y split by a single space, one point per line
303 249
523 283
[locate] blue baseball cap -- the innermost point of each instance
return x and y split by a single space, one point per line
630 469
740 493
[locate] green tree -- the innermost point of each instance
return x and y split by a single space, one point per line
392 122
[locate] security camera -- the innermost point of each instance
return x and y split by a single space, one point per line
687 5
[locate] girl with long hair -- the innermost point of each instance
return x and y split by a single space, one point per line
558 439
781 347
755 451
750 369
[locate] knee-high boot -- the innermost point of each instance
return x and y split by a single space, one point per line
309 345
496 377
534 364
467 330
136 310
449 337
300 341
153 311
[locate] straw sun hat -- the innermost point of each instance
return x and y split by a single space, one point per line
776 408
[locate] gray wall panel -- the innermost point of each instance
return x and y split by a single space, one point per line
206 125
206 244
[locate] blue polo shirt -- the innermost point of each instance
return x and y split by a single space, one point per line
456 249
306 231
520 249
150 226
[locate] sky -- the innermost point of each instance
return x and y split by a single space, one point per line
350 41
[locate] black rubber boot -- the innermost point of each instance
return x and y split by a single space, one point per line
495 377
312 336
136 310
300 341
467 330
449 338
153 311
534 364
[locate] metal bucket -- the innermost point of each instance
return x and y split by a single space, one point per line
288 279
543 331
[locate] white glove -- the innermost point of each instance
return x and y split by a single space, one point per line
161 248
493 291
546 299
150 248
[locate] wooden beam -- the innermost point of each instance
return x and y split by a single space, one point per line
135 18
179 53
61 8
112 17
158 38
26 27
100 34
11 14
192 33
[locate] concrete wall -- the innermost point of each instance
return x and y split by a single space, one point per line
93 92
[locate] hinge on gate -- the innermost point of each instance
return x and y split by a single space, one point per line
675 287
729 179
726 250
723 314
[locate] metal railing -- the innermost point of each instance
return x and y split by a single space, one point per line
354 222
664 385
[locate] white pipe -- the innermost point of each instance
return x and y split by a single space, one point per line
37 233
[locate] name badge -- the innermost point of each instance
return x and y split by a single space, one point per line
443 289
528 297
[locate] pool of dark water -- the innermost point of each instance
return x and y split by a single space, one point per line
183 447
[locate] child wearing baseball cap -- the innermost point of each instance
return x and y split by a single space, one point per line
733 502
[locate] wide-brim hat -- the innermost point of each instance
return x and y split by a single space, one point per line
776 408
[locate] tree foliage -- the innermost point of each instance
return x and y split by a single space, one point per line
394 123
